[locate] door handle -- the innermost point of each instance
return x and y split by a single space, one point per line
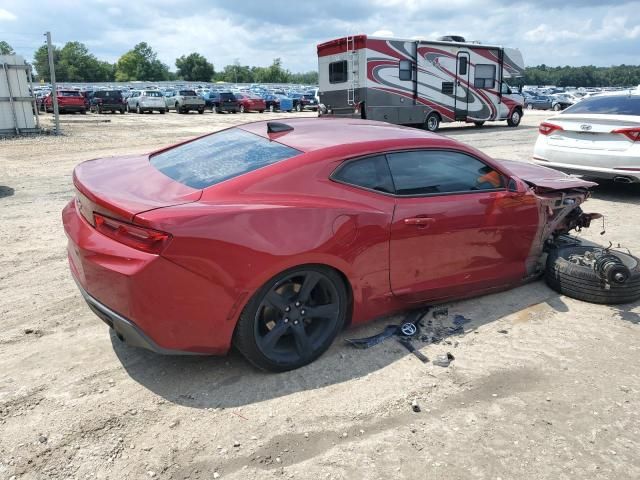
419 221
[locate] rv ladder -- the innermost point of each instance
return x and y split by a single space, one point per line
354 65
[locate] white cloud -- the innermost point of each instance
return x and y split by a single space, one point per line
382 33
6 15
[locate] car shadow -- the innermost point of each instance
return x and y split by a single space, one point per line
473 130
221 382
6 191
617 192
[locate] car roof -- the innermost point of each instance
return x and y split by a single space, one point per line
310 134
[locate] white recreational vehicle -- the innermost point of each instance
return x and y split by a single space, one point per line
419 82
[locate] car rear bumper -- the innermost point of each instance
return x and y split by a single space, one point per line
605 164
150 301
69 108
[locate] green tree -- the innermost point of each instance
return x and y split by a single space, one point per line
194 67
76 64
41 62
141 63
6 49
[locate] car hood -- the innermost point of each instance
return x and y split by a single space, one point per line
544 178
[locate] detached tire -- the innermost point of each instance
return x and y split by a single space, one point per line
583 283
292 319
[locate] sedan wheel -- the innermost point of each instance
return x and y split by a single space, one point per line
529 106
557 107
271 109
292 319
241 108
138 109
298 108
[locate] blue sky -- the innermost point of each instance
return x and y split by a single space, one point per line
254 32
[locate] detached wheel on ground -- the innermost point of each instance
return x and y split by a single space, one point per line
515 118
573 272
292 319
432 122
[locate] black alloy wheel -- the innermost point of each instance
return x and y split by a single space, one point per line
292 319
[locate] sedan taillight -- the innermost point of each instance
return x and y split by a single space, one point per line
546 128
141 238
632 134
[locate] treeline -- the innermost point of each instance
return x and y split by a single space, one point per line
74 63
589 76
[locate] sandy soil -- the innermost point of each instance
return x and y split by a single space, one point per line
555 397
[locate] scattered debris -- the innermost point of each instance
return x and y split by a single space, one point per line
414 406
236 443
443 360
503 331
406 343
42 439
216 475
389 331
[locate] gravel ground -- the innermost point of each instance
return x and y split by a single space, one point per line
542 386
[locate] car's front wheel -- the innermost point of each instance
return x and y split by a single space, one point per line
242 109
298 108
292 319
557 107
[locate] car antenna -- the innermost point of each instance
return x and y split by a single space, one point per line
278 127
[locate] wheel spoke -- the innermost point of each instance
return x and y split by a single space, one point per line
270 340
275 300
303 343
309 283
330 310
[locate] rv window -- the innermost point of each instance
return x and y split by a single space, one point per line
371 173
430 172
338 72
485 76
462 65
405 67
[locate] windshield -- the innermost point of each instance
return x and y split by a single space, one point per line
608 105
187 93
220 156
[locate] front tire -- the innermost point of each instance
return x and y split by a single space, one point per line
478 124
557 107
566 274
515 118
242 109
298 108
529 106
292 319
138 110
432 123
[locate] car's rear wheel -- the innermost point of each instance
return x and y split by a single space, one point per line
138 110
432 123
529 106
292 319
515 118
478 124
242 110
271 109
298 107
201 111
163 111
570 271
557 107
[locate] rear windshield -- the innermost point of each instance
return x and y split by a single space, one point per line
220 156
69 93
188 93
152 93
608 104
108 94
227 96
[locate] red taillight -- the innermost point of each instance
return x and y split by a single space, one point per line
548 128
140 238
632 134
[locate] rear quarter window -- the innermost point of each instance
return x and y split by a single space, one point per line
218 157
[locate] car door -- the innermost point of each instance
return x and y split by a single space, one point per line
456 228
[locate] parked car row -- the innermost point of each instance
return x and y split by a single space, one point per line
180 100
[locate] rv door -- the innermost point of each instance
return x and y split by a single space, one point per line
461 99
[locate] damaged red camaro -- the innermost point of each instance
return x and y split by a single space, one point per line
273 236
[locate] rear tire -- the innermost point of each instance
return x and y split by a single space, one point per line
242 109
515 118
271 109
478 124
278 330
163 111
138 111
432 122
298 108
583 283
529 106
201 111
557 107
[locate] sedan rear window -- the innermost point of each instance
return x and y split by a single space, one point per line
69 93
220 156
187 93
227 96
152 94
608 105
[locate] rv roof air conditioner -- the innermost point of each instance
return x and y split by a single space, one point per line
452 38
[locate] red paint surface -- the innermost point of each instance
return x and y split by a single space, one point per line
229 239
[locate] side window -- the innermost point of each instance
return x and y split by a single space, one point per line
371 172
338 72
427 172
505 90
462 65
485 76
405 68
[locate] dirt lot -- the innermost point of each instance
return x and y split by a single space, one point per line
555 397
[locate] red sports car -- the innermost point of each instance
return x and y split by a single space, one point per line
273 236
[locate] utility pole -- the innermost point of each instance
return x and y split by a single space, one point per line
54 90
